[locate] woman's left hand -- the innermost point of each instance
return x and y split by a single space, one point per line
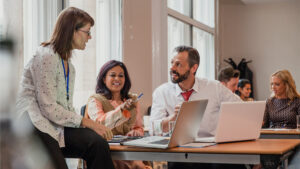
134 133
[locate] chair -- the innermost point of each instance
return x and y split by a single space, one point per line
148 111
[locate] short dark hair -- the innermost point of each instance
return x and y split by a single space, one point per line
193 55
227 73
69 20
102 88
242 83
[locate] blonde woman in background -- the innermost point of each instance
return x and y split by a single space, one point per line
284 104
282 108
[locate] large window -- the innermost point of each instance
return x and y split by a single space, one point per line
192 23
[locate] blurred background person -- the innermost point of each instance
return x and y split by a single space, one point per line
229 77
244 90
116 108
284 103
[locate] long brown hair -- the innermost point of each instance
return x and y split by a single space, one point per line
69 20
286 77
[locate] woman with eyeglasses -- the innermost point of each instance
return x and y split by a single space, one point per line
46 97
116 108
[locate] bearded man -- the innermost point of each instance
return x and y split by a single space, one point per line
185 86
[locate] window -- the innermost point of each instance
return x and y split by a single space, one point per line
192 23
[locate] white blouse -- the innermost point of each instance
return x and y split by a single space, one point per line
42 94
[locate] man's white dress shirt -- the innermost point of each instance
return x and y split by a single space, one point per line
168 95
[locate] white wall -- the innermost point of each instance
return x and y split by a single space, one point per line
266 32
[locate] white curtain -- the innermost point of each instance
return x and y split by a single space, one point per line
39 17
109 31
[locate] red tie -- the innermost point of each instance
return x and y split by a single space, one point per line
186 95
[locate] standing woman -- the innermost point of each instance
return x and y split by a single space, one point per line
284 104
116 108
244 90
46 96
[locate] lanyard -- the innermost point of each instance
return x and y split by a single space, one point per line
66 77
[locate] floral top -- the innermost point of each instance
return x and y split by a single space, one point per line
281 113
43 94
96 112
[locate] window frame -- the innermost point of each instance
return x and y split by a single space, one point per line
160 36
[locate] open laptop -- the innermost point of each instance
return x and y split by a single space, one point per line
238 121
185 129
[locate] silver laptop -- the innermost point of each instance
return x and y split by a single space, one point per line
185 129
238 121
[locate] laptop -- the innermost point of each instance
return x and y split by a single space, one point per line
185 129
238 121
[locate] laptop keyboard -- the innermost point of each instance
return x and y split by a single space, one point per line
164 141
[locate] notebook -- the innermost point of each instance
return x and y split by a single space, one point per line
238 121
185 129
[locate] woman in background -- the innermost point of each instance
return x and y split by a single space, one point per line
244 90
284 104
46 97
116 108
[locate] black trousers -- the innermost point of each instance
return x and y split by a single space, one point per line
79 143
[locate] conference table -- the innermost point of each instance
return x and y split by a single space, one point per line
280 134
246 152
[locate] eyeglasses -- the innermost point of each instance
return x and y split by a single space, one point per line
87 32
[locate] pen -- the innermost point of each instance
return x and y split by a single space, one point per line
138 98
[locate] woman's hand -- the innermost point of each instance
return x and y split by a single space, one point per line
134 133
98 128
128 104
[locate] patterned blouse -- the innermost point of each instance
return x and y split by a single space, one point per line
96 112
42 94
281 113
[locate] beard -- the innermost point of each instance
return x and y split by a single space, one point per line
181 77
